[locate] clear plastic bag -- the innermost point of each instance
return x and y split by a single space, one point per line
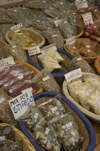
67 132
45 80
16 51
46 137
52 108
5 111
32 117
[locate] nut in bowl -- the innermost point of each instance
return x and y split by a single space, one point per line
84 93
27 36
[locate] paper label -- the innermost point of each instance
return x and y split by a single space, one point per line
73 75
47 131
87 18
34 51
54 109
57 22
71 40
2 138
20 104
2 99
6 62
46 78
13 28
81 4
69 125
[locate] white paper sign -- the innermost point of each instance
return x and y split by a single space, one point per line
6 62
71 40
57 22
73 75
34 51
81 4
13 28
20 104
87 18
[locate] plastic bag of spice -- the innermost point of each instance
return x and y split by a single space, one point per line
5 111
54 36
67 132
16 51
52 108
79 62
46 137
45 80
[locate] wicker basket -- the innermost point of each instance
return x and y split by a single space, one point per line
85 126
97 65
80 32
90 114
88 59
27 146
93 36
31 33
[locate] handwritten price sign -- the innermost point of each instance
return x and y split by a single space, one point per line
34 51
71 40
87 18
81 4
6 62
73 75
13 28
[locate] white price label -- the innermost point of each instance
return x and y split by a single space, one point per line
47 131
34 51
57 22
6 62
87 18
13 28
73 75
81 4
54 109
2 138
71 40
69 125
20 104
46 78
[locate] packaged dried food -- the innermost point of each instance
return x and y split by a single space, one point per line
13 146
93 80
32 117
8 132
87 52
49 62
79 62
67 132
51 50
72 87
94 101
45 80
52 108
46 137
5 111
16 51
54 36
17 89
5 27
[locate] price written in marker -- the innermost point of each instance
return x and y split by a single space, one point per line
34 51
87 18
73 75
13 28
6 62
81 4
71 40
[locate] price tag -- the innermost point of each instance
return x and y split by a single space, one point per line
81 4
71 40
13 28
34 51
73 75
46 78
20 104
87 18
57 22
6 62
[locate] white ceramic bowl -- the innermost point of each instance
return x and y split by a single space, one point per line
90 114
